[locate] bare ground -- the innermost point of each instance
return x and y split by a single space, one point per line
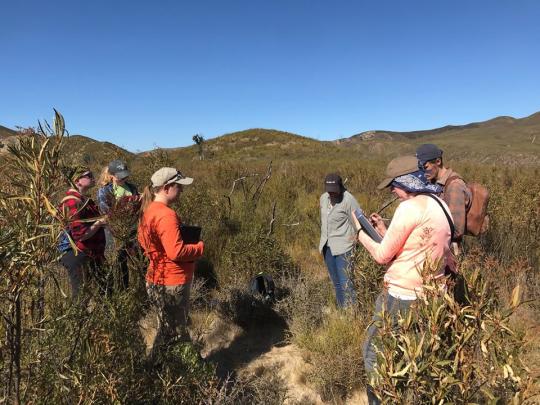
252 351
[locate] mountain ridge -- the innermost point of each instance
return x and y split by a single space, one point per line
398 135
512 138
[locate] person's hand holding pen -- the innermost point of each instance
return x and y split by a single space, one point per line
378 223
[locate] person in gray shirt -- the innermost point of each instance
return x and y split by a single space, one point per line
338 236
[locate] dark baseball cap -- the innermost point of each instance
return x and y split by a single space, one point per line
333 183
427 152
119 169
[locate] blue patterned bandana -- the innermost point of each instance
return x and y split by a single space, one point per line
416 182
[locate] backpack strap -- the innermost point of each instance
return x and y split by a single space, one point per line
450 222
452 178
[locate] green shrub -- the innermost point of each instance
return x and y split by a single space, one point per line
443 352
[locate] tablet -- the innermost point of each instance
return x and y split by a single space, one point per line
366 225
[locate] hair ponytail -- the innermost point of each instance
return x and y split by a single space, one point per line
146 198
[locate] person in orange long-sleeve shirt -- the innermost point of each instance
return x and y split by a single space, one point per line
172 261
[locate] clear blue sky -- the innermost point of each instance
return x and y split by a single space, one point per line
145 73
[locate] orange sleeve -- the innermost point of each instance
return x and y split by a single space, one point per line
171 240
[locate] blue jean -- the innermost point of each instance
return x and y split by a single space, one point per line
338 268
392 306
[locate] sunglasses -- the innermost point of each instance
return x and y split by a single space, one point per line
177 176
90 175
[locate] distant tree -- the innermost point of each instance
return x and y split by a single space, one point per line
199 141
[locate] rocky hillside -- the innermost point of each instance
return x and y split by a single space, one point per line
503 139
530 124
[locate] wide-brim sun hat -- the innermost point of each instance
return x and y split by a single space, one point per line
169 175
398 167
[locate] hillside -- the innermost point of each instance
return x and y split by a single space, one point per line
501 139
493 124
254 144
93 152
7 137
6 132
82 150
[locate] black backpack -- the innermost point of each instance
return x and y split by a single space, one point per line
262 286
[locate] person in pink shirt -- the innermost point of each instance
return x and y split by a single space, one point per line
417 240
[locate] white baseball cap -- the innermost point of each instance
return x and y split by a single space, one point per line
169 175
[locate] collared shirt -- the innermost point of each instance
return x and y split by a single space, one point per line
337 228
458 198
120 190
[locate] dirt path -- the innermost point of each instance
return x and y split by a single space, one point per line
254 351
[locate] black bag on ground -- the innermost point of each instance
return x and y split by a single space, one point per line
262 286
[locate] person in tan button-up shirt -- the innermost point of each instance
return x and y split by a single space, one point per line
455 193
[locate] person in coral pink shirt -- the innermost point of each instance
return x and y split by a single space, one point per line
417 242
172 261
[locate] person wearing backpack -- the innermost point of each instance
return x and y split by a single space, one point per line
171 260
338 237
455 193
85 252
418 238
115 193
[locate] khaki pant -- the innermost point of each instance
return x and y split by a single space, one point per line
171 303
